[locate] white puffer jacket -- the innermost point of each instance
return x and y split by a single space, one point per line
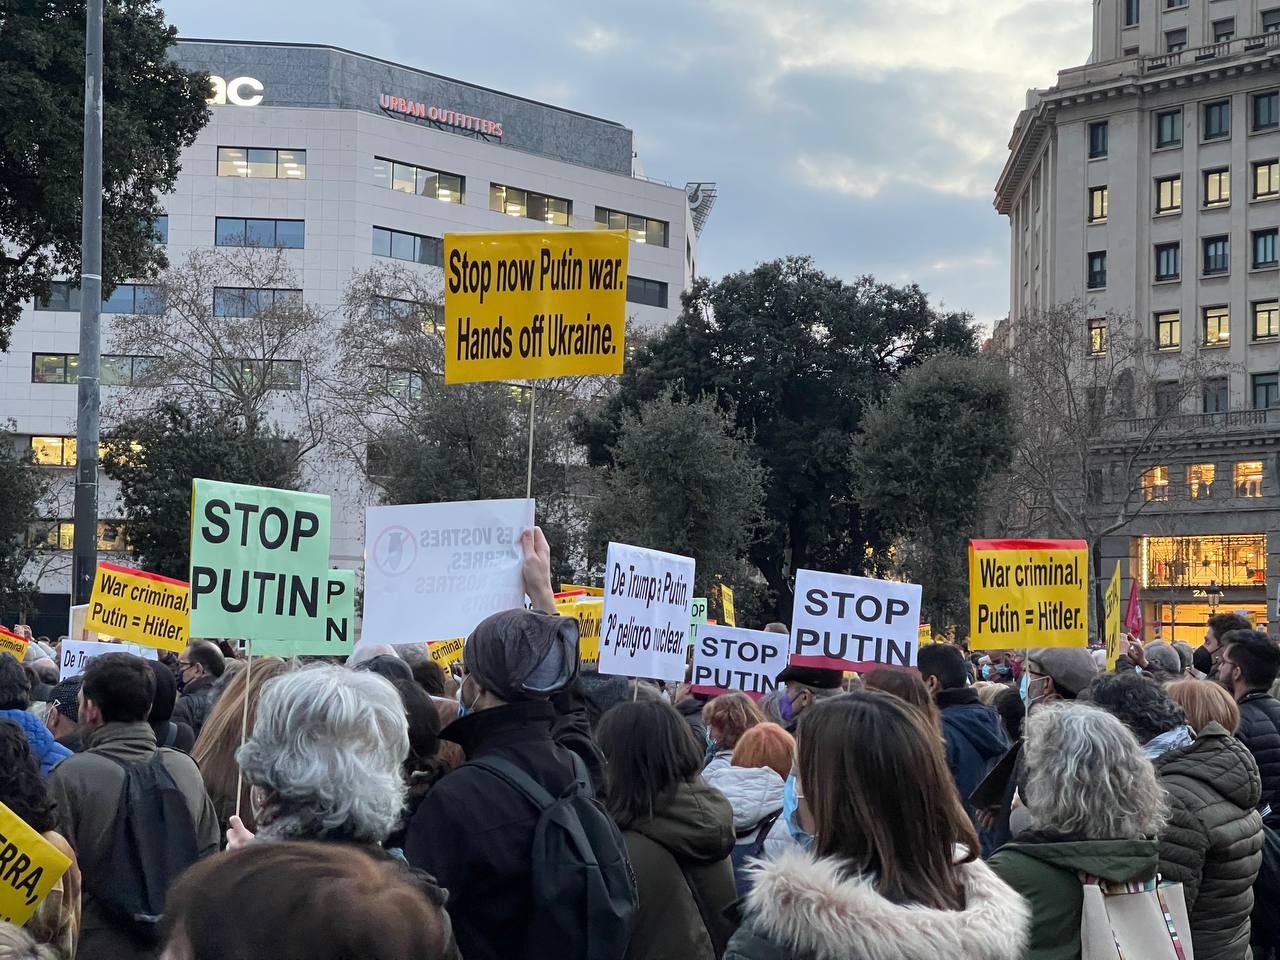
754 793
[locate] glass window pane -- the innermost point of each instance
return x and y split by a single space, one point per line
537 207
285 299
262 163
558 212
259 233
402 177
228 232
50 451
450 189
293 164
161 228
1266 319
228 302
232 162
497 198
381 172
381 242
291 234
428 183
617 221
115 371
602 217
516 202
635 229
120 301
656 233
402 245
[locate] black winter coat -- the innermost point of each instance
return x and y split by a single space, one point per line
196 703
1260 732
1212 842
474 833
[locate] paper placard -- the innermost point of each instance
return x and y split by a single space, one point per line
338 635
31 867
854 623
438 569
75 654
447 652
13 644
727 658
646 613
1028 593
589 613
140 607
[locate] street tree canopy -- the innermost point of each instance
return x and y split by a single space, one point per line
152 109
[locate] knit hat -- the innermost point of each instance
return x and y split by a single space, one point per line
1070 668
67 695
523 654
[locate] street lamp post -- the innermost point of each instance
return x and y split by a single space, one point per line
1214 593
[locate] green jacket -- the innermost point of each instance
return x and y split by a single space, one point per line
1046 870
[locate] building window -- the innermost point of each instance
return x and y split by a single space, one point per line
1097 276
54 451
62 296
1224 30
1174 4
1215 395
127 298
1217 187
1217 326
1168 397
55 368
1168 330
252 301
1168 261
1186 562
1266 319
1248 478
408 246
1200 480
391 310
59 535
1217 255
267 163
1131 13
1266 391
402 384
1264 248
161 229
1217 120
652 293
1097 204
1097 139
1168 194
423 181
515 202
122 370
1097 336
1266 110
640 229
1266 179
1271 21
1155 484
1169 128
250 373
1175 41
253 232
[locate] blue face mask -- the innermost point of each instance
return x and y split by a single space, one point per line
790 803
1022 687
986 671
463 709
711 744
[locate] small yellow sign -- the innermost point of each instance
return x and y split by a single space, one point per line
1028 593
529 305
13 644
446 652
925 634
1111 611
32 866
140 607
575 588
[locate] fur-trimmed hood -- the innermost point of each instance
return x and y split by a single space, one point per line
810 907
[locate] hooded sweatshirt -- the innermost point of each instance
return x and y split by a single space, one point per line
804 907
47 751
681 849
1045 869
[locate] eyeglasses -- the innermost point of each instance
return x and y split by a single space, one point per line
182 665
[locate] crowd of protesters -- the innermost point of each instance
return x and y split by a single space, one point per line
382 808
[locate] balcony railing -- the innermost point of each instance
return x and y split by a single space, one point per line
1202 423
1212 51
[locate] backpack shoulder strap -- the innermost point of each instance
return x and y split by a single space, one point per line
516 778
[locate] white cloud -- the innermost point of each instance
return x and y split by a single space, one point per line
597 39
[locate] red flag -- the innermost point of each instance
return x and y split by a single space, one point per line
1133 613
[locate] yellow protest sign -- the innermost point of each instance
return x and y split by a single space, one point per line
575 588
1111 616
1028 593
525 306
31 866
13 644
588 613
720 605
446 652
924 634
140 607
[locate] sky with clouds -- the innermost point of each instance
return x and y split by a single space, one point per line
867 133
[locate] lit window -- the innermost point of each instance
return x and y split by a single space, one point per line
1097 274
1266 319
1200 480
1224 30
1266 391
1264 248
1248 478
1266 179
263 163
1168 261
1097 336
1266 110
413 247
1168 194
1238 560
1217 326
1217 255
639 229
423 181
1097 204
1097 139
1168 330
54 451
1169 128
1155 484
1216 394
652 293
515 202
1217 187
60 535
55 368
1217 119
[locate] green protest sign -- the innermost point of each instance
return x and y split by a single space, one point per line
259 562
336 636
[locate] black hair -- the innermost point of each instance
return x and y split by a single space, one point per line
1137 701
121 685
388 666
21 788
208 656
15 685
1013 712
945 662
423 718
649 751
166 694
1223 623
1256 655
429 676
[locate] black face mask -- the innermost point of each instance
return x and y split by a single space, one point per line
1202 660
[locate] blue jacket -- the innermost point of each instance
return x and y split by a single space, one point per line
48 751
975 740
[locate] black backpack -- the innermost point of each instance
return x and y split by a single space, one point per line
152 843
584 893
744 852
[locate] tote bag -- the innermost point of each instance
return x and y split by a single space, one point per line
1134 921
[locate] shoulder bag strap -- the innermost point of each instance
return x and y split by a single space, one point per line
516 778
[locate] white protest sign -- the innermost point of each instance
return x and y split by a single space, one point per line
733 659
76 653
647 595
435 570
840 622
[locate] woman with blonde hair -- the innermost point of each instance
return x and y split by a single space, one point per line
727 718
215 749
1204 702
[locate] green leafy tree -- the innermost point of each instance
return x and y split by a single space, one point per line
154 458
152 109
796 356
923 465
24 487
683 479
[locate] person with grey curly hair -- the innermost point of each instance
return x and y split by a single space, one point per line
324 761
1096 808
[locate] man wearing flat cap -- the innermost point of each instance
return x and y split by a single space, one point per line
474 831
801 688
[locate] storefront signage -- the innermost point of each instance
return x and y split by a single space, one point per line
239 92
435 114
